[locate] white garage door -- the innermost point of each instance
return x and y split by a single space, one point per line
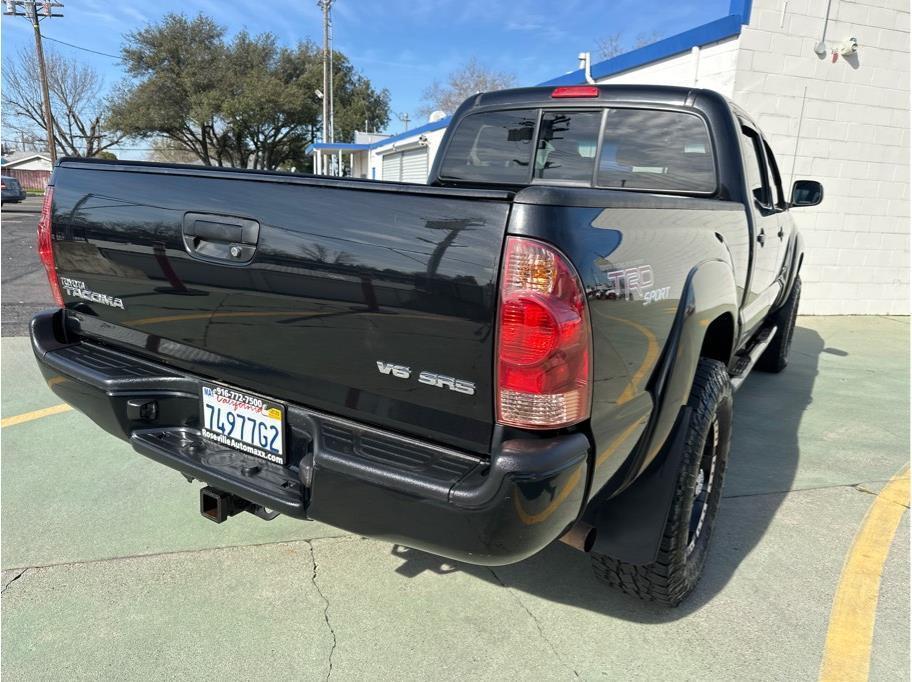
407 166
392 164
415 165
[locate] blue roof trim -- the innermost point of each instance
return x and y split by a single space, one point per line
714 31
741 8
335 146
426 128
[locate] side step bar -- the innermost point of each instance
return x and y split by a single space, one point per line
747 358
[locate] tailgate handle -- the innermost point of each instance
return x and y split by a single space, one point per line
220 238
219 232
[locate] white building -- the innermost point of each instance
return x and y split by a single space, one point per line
831 113
27 161
31 169
839 118
406 157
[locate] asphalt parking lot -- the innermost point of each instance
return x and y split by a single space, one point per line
110 572
24 284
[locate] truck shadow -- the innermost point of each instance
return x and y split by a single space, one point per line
763 463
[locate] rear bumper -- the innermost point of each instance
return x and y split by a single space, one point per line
481 510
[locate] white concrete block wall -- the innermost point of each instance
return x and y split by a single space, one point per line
854 138
713 68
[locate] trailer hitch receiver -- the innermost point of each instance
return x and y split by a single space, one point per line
217 505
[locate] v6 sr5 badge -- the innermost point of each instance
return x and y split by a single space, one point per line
427 378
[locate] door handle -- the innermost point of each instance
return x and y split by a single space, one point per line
762 237
781 233
218 238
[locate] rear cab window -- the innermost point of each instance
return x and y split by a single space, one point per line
493 147
618 148
656 150
567 143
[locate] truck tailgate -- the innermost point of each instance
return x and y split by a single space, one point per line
306 290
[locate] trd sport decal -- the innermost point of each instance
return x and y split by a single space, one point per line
631 284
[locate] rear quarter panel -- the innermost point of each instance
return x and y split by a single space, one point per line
634 254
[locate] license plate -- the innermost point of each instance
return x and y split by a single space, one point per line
245 422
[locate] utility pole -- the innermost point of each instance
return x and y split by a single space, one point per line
326 6
404 117
11 8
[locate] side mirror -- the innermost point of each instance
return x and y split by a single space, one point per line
806 193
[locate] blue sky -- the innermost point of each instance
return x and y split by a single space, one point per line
402 45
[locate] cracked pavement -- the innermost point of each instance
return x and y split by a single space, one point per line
313 579
110 572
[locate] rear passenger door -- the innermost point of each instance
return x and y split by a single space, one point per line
786 226
764 215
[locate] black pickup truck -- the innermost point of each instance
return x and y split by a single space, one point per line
540 343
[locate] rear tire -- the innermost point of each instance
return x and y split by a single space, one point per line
685 541
776 356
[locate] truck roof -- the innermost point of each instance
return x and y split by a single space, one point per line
654 94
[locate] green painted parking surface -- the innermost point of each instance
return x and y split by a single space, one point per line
110 572
71 492
236 613
24 389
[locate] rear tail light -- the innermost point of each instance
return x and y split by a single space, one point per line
543 339
46 248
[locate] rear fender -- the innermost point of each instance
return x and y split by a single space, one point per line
630 517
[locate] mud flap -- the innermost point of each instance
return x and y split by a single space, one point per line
631 524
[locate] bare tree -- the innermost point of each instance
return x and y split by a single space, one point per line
647 38
610 46
613 45
168 151
76 101
468 80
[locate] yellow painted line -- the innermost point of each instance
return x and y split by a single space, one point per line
532 519
847 654
264 313
616 443
206 316
35 414
574 480
652 354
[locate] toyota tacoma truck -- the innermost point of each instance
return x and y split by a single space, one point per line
541 342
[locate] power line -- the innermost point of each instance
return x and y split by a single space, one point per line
84 49
117 147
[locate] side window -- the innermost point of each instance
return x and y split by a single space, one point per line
774 179
566 145
757 180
